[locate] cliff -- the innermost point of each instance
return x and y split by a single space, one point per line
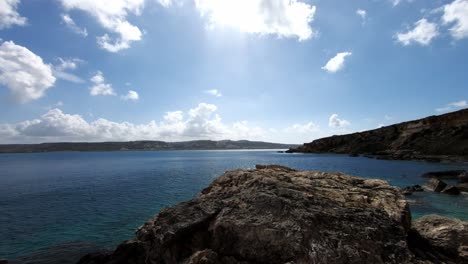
140 145
432 138
279 215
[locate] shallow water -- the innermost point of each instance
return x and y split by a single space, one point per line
56 206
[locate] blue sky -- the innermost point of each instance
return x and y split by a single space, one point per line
278 70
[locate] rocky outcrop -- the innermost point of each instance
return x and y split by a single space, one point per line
276 215
411 189
437 185
437 238
434 138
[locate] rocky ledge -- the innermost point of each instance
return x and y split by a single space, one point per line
275 214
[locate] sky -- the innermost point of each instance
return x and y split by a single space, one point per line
287 71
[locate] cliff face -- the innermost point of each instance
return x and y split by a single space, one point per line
276 215
434 137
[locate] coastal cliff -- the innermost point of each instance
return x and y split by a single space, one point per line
443 137
275 214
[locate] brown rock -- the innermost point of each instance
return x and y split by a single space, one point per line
277 215
437 185
438 238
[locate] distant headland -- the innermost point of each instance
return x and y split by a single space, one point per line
141 146
434 138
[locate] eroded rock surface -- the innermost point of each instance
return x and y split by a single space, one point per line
276 215
440 239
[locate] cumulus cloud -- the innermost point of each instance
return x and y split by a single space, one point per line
284 18
422 33
23 72
335 122
111 15
64 65
453 106
456 14
70 23
214 92
100 87
9 15
336 63
201 122
130 96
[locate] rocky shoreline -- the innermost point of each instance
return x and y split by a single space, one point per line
434 138
275 214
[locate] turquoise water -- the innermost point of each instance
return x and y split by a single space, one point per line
56 206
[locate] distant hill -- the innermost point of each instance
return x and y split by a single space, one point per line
443 137
141 145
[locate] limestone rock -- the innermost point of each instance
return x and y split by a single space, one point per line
439 238
276 215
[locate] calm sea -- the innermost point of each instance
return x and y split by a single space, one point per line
55 207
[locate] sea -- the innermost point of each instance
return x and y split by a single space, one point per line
56 207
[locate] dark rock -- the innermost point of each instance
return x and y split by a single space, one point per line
463 187
437 185
434 138
3 261
463 178
277 215
450 189
452 174
354 155
440 239
410 189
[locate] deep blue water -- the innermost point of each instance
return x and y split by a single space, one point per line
55 205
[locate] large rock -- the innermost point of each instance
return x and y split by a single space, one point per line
437 185
276 215
437 238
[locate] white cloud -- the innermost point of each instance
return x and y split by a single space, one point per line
456 13
335 122
112 15
387 117
336 63
23 72
214 92
201 122
9 15
72 25
362 13
284 18
100 87
453 106
303 128
63 65
422 33
131 95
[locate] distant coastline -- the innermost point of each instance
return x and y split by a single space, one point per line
140 146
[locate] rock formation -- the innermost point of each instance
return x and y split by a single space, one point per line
437 238
275 214
435 138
